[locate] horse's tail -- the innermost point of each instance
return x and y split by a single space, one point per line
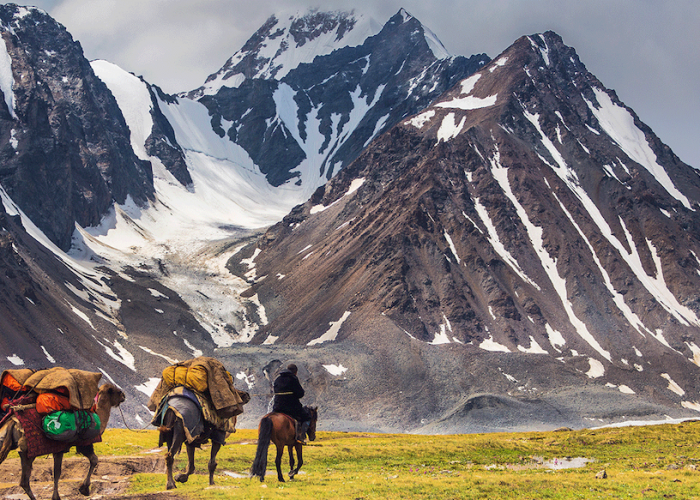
6 439
167 429
260 463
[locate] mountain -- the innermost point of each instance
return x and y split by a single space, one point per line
307 93
526 230
441 243
66 155
339 80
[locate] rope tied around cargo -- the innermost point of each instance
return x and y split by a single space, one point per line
23 407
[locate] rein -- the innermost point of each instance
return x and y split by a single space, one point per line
127 425
123 419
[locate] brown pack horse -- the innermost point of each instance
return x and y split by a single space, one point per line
109 396
280 429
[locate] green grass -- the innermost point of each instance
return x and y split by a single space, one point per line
654 462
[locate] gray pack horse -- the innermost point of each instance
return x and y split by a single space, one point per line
281 430
182 423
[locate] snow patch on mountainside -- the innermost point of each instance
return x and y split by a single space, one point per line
495 241
619 124
491 345
672 385
449 129
133 99
335 370
469 102
332 333
420 120
354 186
7 79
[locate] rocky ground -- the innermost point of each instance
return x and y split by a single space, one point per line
110 480
411 392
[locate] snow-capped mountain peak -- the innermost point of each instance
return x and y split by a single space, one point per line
436 46
285 42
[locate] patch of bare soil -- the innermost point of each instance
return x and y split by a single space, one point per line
110 479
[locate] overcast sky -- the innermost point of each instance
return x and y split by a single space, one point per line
646 50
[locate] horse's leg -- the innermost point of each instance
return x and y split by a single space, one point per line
291 460
215 447
88 452
57 466
26 474
178 439
182 478
278 462
298 447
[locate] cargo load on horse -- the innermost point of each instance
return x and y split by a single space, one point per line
209 379
194 402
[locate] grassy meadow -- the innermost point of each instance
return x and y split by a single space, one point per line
650 462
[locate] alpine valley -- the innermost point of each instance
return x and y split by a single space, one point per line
441 243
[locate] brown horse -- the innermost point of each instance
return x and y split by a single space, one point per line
280 429
172 433
108 397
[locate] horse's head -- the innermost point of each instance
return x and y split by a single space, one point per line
313 410
113 394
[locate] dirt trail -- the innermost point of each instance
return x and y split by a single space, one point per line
110 480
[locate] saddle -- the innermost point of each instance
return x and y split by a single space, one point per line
291 419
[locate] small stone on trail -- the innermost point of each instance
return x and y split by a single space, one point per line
601 475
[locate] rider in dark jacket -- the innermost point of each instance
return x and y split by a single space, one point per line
288 391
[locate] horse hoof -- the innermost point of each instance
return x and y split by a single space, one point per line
182 478
170 487
84 490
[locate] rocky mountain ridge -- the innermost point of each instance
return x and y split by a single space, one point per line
66 154
306 112
509 217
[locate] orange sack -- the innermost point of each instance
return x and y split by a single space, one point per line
11 383
49 401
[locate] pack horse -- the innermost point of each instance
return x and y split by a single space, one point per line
195 402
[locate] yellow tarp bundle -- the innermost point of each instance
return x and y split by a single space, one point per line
206 376
193 377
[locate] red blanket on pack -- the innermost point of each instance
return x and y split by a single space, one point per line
37 442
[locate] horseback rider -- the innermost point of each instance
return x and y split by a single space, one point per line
288 391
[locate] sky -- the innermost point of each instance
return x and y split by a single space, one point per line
645 50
